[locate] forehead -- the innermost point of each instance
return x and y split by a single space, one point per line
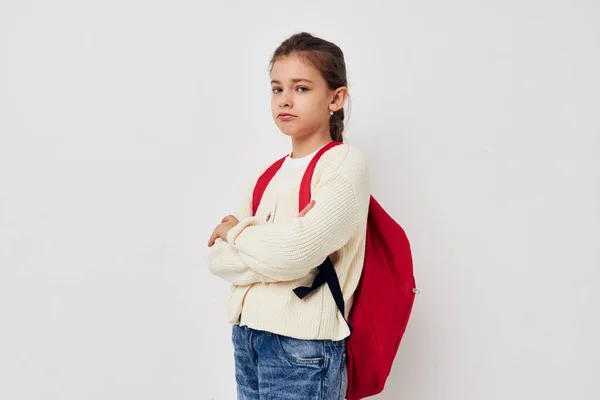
292 67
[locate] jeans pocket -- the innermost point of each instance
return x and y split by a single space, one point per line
299 351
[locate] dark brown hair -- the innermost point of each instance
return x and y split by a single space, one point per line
328 59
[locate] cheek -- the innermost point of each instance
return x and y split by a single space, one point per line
317 109
309 104
317 102
274 109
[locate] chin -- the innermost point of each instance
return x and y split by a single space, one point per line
290 131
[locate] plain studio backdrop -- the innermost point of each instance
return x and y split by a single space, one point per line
129 129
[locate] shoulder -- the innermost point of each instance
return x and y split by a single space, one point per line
345 159
346 162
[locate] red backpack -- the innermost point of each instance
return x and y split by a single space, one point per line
383 299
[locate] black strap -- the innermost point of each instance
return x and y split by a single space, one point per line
326 274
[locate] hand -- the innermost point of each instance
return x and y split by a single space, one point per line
307 209
223 229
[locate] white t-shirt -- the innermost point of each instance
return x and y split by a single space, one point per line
292 170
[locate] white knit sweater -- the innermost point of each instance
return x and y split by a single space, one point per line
266 256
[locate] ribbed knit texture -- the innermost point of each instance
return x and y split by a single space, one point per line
266 256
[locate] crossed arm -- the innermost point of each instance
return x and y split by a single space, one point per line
251 251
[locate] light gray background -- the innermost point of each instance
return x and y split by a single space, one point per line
129 128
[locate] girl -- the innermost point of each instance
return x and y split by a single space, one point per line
288 348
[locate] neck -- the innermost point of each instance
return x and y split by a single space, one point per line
304 146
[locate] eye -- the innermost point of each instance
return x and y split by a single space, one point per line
274 90
305 89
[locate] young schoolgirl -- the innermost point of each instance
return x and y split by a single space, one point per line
287 348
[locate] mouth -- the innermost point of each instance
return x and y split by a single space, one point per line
285 116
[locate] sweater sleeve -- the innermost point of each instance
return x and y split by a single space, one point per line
224 261
290 250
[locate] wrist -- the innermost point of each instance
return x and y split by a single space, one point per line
239 228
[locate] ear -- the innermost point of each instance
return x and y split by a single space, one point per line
338 98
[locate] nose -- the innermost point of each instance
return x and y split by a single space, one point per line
284 101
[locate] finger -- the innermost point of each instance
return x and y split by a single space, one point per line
226 218
309 206
221 232
213 237
306 209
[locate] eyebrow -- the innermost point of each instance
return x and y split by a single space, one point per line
295 80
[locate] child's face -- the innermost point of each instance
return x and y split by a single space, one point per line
308 100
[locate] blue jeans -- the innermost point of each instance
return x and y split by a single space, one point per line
269 366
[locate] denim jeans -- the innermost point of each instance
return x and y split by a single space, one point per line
269 366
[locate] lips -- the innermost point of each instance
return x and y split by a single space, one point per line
285 116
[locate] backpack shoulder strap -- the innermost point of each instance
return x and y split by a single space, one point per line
327 273
263 182
304 196
267 176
